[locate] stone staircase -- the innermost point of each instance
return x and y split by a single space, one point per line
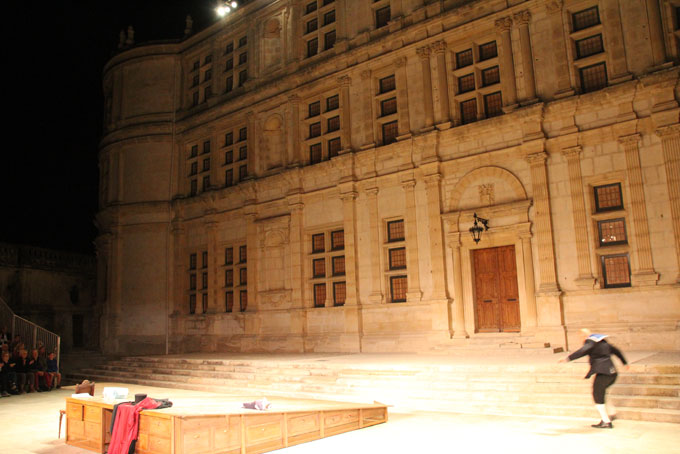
649 392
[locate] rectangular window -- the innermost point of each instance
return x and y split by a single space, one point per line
194 168
332 103
329 17
490 76
207 93
493 104
488 51
192 304
398 288
387 84
229 278
333 124
395 231
319 295
337 240
608 197
206 164
204 302
192 261
466 83
311 7
204 259
206 182
243 300
243 254
192 281
206 147
593 77
243 58
242 172
334 147
338 263
204 280
229 48
314 109
229 65
612 231
463 58
312 47
589 46
389 132
195 81
329 40
397 258
615 270
585 19
194 98
194 187
468 111
229 301
208 75
318 244
242 153
388 107
242 77
194 151
312 25
243 41
243 276
242 134
315 154
339 293
319 268
229 84
315 129
229 177
228 256
228 139
229 156
327 2
382 17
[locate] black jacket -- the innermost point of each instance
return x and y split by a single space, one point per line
600 357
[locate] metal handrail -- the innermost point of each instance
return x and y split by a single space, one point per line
30 333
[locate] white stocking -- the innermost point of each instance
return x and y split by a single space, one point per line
602 409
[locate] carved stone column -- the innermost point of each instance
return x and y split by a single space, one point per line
508 84
402 98
344 83
522 20
644 274
531 318
293 156
424 57
560 62
436 247
670 143
369 135
376 295
458 312
578 208
348 196
413 294
544 233
442 116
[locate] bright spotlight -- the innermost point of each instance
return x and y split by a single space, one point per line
225 8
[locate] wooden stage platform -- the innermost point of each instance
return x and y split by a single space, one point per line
220 425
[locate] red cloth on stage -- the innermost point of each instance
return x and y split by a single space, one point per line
126 425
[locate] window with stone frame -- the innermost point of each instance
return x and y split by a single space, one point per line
322 126
235 60
198 284
235 152
198 166
395 259
327 268
612 247
386 101
382 13
235 273
587 48
199 78
477 82
318 27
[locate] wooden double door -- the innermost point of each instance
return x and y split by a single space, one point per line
496 293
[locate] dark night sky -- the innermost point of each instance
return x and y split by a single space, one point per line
54 55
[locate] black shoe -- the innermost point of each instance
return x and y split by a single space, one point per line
603 425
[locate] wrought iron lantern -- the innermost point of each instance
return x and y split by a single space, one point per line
476 230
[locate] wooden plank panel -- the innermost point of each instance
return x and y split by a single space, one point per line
303 423
92 414
74 411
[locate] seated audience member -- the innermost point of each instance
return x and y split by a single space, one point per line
8 377
14 345
53 370
38 366
25 377
4 337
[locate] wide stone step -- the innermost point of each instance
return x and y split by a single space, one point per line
645 390
666 403
649 379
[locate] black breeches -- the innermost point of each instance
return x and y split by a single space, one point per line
600 385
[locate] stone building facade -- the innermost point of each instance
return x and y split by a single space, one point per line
302 176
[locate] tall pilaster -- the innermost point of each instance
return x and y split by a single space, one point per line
458 312
369 135
344 83
294 153
424 57
656 32
413 265
376 295
402 98
578 209
296 208
522 20
508 84
432 183
544 233
348 196
670 143
560 62
643 273
442 116
617 66
180 301
253 152
211 230
531 317
252 249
